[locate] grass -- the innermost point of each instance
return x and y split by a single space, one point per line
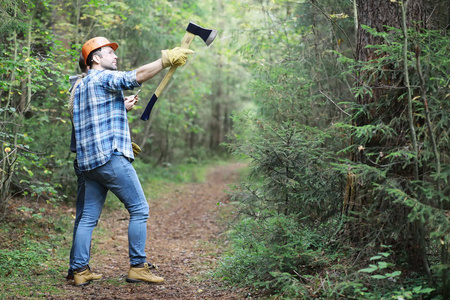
35 254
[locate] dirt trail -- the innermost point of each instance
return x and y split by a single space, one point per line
182 232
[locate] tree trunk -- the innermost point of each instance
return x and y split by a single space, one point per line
216 112
380 14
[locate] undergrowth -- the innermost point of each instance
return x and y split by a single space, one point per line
281 259
33 252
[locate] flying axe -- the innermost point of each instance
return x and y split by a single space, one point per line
207 35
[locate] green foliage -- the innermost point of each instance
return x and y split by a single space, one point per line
302 150
290 174
40 46
270 253
391 151
291 192
388 282
31 89
179 173
16 261
34 250
381 265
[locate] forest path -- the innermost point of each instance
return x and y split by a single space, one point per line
182 241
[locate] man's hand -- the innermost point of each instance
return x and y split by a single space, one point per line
130 101
175 57
136 149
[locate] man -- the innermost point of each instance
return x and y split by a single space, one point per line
130 101
104 152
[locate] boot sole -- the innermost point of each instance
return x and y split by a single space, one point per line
82 284
86 283
137 281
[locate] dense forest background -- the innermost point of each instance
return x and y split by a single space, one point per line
341 108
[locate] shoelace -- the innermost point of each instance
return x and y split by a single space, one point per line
152 266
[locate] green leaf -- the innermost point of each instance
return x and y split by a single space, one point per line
427 291
369 270
385 254
379 276
417 288
383 265
394 274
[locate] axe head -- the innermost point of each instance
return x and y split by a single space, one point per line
207 35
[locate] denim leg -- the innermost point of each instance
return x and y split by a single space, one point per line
79 204
119 176
128 189
95 195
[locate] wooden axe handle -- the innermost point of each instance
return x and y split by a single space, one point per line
185 43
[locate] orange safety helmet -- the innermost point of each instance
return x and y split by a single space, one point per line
96 43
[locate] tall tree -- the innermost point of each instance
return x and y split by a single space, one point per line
380 84
393 139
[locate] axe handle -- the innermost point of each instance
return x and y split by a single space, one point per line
185 43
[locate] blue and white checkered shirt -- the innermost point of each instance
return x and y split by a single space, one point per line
100 117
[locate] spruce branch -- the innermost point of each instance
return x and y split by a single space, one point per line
427 117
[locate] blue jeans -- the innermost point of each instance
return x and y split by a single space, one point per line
118 176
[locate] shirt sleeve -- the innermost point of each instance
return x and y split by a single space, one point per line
119 81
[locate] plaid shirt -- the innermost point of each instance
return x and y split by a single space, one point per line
100 117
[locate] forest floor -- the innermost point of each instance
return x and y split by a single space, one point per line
185 240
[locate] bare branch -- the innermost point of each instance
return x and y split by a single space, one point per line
331 100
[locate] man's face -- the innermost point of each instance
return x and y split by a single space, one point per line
108 59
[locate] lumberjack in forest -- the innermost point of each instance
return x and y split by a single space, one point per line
130 102
104 152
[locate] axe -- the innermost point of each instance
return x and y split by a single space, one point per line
207 35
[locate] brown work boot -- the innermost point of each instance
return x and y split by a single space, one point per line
84 275
142 273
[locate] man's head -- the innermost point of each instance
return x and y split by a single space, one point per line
100 52
82 64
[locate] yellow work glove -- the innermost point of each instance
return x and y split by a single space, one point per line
136 149
175 57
